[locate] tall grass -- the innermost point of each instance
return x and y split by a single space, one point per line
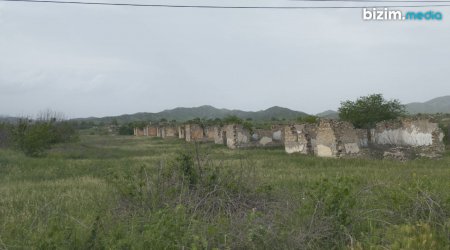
123 192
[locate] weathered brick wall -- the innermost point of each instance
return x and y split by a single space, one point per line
239 137
326 141
407 132
231 136
300 138
363 138
219 135
210 133
169 131
417 136
336 139
194 132
181 132
347 138
138 132
152 131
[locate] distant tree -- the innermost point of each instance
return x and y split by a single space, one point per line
232 119
114 122
127 129
307 119
5 134
34 137
368 110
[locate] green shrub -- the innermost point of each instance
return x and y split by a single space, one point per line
446 131
126 130
307 119
35 137
5 135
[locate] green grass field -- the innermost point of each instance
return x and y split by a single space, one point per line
113 192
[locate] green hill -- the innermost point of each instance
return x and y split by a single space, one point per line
436 105
205 112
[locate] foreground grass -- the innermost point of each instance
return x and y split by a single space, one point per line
138 193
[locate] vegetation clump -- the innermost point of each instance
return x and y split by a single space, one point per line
366 111
34 137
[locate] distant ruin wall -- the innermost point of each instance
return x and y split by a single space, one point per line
326 141
410 136
169 132
138 132
236 136
219 135
300 138
151 131
194 132
403 138
181 132
210 132
407 132
327 138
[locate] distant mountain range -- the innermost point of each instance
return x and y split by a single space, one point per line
330 114
204 112
436 105
433 106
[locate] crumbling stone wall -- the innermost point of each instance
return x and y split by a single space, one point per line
219 135
418 134
236 136
300 138
407 132
266 137
194 132
169 131
277 133
138 131
363 138
336 139
181 132
151 131
231 136
210 133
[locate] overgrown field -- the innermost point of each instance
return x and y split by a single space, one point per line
112 192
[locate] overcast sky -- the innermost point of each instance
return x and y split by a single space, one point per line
104 60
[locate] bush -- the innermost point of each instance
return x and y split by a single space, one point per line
5 135
127 129
307 119
366 111
446 131
35 137
196 200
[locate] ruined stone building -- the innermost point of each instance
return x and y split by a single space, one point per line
220 136
181 132
139 132
236 136
168 131
152 131
403 138
210 133
194 132
300 138
420 135
336 138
